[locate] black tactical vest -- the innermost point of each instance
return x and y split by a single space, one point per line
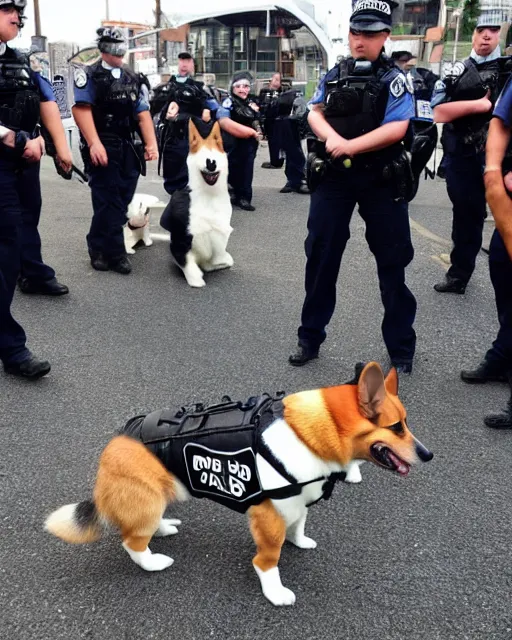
189 96
241 112
19 94
114 108
355 102
472 84
269 102
212 450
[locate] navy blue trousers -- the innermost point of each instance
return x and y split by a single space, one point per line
20 248
241 158
274 142
500 268
174 165
389 239
466 190
292 147
112 190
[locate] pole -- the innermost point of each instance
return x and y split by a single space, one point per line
457 24
107 11
158 16
37 18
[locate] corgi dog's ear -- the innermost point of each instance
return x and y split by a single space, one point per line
391 382
371 391
216 137
194 138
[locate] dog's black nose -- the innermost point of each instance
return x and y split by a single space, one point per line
211 165
422 452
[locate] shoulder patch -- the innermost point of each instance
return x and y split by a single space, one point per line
397 86
80 78
227 103
439 86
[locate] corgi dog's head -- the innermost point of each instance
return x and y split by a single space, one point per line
361 420
139 209
207 162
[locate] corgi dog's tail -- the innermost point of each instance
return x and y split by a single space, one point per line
77 523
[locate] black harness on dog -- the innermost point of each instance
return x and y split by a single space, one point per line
212 450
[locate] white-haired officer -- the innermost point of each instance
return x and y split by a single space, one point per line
118 136
26 98
238 117
361 112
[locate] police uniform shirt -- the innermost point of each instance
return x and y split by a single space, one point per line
85 88
503 108
400 104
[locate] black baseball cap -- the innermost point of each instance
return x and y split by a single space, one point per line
402 56
372 15
185 55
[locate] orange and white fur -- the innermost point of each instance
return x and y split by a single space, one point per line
137 225
323 431
207 218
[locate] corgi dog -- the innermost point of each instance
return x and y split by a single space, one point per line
137 225
300 445
199 217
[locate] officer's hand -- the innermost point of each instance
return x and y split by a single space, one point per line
254 106
34 149
206 116
485 103
151 152
65 159
172 111
336 146
98 154
9 139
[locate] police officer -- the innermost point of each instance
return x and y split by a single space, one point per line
186 98
497 363
238 116
361 110
25 99
269 106
291 108
109 110
463 100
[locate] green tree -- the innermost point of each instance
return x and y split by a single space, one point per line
469 17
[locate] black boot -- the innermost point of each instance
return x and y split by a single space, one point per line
31 368
99 262
451 285
303 354
121 264
485 372
44 288
500 420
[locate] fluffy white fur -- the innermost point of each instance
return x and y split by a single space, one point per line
138 215
210 217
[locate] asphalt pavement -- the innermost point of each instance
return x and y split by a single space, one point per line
426 557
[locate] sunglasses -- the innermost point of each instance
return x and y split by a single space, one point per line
491 29
357 32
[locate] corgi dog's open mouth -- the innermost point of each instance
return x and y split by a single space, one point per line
388 459
210 177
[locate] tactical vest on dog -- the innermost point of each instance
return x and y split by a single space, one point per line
212 450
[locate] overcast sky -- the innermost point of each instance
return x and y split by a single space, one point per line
77 21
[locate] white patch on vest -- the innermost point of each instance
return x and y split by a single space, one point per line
424 110
376 5
439 86
457 69
3 48
227 103
397 87
409 83
80 78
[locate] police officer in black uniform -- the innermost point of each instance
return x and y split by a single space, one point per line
117 136
185 98
25 99
269 107
238 117
463 100
361 112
